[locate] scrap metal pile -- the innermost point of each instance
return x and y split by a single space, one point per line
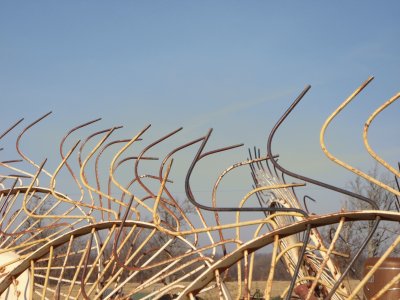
128 237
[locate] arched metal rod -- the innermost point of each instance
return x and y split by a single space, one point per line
190 195
304 178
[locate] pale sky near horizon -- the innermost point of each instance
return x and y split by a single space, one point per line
234 66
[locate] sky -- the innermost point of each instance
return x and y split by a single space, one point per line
234 66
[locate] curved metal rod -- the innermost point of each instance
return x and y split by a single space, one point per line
62 152
96 171
335 159
156 216
176 205
144 151
212 197
26 231
73 202
138 178
164 200
365 135
129 184
234 166
83 177
19 139
132 181
112 169
39 216
191 198
90 137
304 178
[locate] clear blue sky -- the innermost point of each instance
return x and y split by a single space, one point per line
231 65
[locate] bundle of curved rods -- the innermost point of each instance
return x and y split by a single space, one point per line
124 235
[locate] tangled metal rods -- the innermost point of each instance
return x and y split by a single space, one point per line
80 232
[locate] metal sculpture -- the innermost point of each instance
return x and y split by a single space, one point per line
128 237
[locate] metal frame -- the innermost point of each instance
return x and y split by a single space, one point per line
100 245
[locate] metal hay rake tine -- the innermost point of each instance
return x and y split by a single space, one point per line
151 145
304 178
365 135
160 174
61 146
24 157
342 163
